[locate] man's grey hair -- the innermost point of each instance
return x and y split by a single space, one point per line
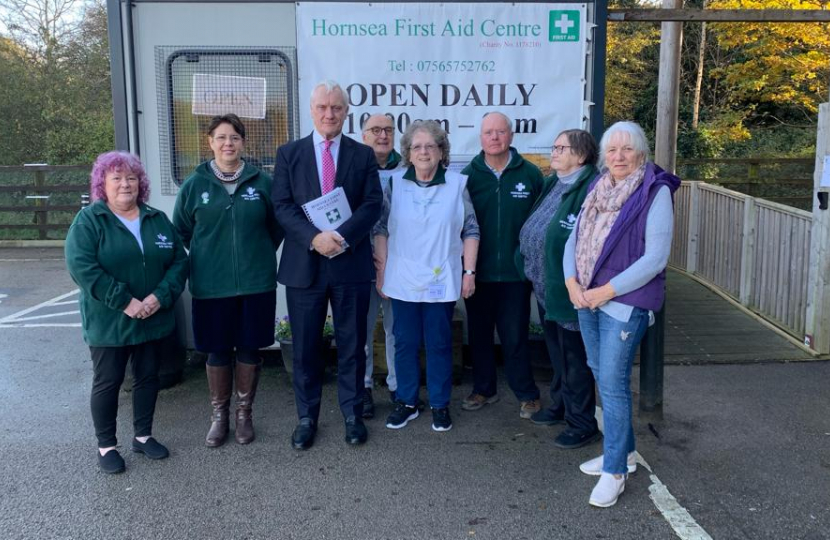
506 119
636 136
331 86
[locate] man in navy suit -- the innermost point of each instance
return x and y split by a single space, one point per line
318 267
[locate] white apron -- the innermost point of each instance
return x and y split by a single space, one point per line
424 246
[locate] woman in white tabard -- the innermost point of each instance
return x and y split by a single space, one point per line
426 244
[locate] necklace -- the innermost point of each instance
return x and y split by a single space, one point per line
227 178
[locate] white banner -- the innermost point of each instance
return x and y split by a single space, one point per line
449 62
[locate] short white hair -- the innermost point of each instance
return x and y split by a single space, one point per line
635 134
507 120
331 86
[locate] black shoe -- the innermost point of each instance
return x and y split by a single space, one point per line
570 439
152 448
368 404
111 462
303 436
355 431
401 416
393 397
441 420
546 417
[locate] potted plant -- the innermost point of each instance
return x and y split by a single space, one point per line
282 333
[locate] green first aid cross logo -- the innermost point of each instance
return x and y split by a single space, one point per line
563 25
333 215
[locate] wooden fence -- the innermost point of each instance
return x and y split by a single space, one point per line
39 201
754 250
783 180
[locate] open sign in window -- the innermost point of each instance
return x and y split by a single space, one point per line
256 84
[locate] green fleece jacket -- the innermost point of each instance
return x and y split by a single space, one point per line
392 161
106 262
558 306
502 205
232 238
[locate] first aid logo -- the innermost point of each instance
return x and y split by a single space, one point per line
563 25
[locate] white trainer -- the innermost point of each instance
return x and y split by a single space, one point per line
607 490
593 467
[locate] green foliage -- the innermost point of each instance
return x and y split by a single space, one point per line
780 141
282 329
785 65
761 84
55 100
702 143
631 70
536 329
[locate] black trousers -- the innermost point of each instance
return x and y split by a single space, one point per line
504 307
572 390
307 311
109 365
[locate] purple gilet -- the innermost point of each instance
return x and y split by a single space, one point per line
627 241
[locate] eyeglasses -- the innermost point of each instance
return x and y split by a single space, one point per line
222 139
428 147
558 149
378 130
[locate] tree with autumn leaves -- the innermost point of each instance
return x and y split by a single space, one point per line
760 83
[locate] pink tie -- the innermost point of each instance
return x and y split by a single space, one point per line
328 168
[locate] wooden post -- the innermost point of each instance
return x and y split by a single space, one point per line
665 155
651 365
817 327
752 188
40 215
694 227
668 90
746 286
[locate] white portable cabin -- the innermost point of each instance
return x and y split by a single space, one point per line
177 63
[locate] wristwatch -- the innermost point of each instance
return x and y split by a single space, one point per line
469 272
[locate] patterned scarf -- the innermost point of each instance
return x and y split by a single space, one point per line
599 213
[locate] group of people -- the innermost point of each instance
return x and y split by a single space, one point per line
590 243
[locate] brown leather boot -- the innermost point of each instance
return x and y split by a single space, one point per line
219 382
247 379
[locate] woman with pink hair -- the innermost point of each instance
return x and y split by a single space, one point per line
131 267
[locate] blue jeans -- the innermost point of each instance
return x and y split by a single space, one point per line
611 346
430 324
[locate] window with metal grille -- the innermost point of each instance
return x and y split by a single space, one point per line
197 83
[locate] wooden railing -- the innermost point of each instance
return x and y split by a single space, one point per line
784 180
754 250
39 201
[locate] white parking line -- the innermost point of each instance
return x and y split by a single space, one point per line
56 325
68 302
678 517
13 320
32 260
47 316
